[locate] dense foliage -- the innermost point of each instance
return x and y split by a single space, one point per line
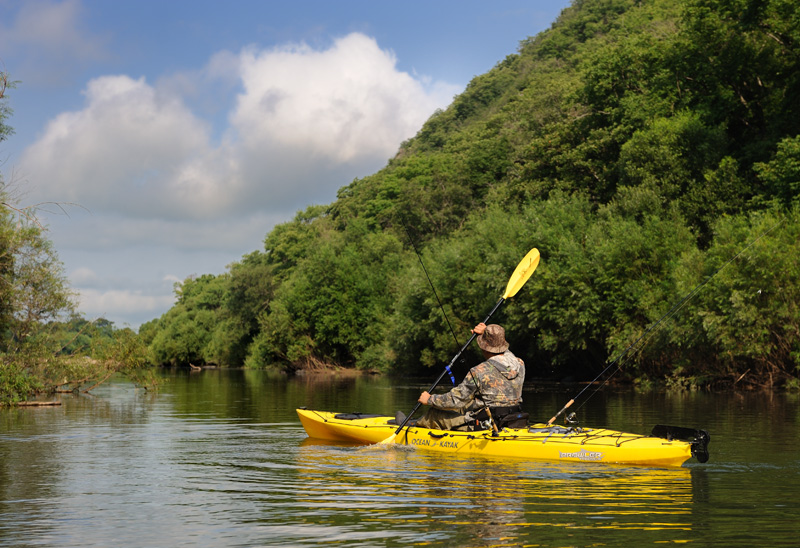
639 145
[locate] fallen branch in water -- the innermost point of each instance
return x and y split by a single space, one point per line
98 383
741 377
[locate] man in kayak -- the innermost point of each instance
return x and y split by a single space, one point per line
496 383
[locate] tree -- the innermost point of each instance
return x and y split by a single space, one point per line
34 294
36 287
185 330
33 287
781 175
630 143
5 110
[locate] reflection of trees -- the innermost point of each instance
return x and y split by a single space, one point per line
46 456
29 467
269 397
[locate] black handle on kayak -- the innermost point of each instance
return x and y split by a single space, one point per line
446 369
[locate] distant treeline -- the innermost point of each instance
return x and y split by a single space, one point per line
638 145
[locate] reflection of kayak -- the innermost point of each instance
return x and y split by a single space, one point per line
667 446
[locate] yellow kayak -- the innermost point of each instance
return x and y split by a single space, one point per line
666 446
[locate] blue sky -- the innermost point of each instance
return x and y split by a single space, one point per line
176 134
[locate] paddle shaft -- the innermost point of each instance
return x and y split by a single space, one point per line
455 358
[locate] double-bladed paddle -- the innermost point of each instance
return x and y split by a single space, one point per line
521 274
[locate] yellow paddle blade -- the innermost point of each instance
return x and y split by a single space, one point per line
388 440
521 274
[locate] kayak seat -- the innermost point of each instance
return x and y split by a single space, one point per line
400 418
513 420
504 417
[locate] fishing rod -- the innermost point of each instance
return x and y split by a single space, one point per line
449 325
671 312
518 278
436 294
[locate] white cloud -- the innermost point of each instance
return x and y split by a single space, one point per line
83 276
306 123
121 152
107 304
154 174
343 104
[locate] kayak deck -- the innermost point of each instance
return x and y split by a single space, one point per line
536 442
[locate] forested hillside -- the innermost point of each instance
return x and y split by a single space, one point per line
639 145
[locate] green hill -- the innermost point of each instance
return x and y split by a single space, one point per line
638 145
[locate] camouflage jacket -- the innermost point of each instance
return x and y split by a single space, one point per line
499 383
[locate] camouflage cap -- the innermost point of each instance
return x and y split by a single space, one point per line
493 339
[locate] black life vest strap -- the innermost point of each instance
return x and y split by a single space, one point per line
497 412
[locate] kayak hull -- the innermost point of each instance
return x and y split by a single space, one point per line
536 442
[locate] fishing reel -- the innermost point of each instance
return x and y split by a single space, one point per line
571 419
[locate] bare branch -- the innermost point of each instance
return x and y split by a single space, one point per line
98 383
29 212
3 83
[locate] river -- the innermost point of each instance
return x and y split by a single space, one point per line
218 458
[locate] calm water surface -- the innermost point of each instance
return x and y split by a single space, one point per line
218 458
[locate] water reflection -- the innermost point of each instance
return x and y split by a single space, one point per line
512 501
219 458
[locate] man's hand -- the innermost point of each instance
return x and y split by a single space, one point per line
423 399
479 329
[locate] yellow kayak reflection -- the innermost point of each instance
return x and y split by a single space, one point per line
508 502
537 442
